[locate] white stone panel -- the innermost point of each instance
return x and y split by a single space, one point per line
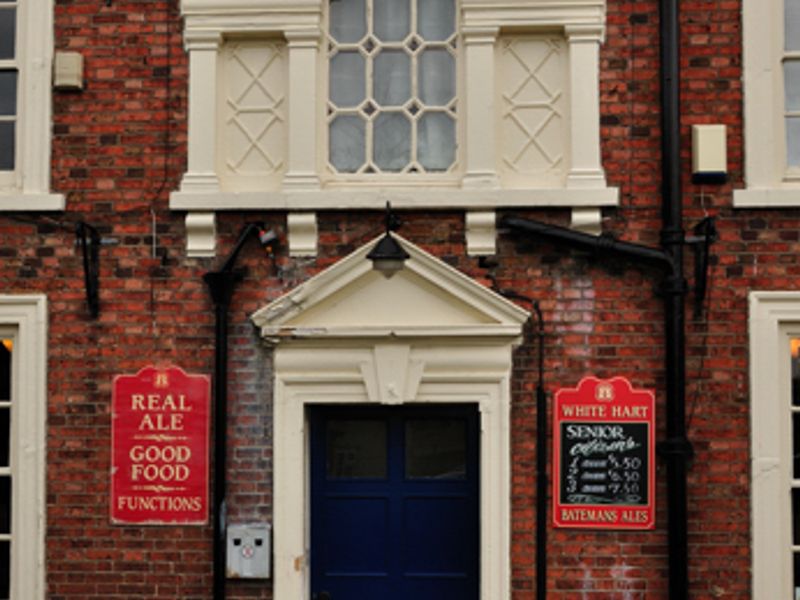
253 112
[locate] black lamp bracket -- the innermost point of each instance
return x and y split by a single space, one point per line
89 240
704 234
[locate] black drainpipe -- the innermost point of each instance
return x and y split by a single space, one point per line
676 449
221 285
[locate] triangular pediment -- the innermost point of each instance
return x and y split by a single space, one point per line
427 297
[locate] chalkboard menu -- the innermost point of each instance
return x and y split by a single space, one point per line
603 453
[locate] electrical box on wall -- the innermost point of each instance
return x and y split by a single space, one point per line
709 154
248 555
68 71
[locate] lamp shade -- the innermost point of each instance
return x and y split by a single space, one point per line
388 256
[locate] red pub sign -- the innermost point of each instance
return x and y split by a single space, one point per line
159 437
603 456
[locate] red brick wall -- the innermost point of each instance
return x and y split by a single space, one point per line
119 148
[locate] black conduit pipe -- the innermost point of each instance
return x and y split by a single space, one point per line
221 285
541 466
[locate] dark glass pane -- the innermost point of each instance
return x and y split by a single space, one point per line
8 92
356 449
796 517
796 443
436 448
6 146
8 25
795 343
5 568
5 369
5 435
797 575
5 504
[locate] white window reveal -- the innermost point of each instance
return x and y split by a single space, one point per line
23 360
463 104
26 46
774 329
771 68
448 97
392 99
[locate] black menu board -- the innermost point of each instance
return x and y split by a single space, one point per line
604 455
604 463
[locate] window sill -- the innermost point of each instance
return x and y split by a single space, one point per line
777 197
31 201
409 198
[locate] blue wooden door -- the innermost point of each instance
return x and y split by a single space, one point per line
394 503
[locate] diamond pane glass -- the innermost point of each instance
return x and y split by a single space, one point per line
8 26
392 78
392 142
793 141
6 146
347 149
392 19
8 92
437 77
791 21
348 20
356 449
436 19
436 449
436 141
348 79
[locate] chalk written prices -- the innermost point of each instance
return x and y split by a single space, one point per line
604 463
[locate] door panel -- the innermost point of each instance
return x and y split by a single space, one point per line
394 503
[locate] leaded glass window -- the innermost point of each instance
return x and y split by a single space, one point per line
794 464
6 399
8 83
392 86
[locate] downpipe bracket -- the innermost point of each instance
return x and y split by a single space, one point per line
674 447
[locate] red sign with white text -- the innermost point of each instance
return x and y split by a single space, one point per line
604 456
159 447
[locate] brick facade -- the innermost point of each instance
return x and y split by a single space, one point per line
119 148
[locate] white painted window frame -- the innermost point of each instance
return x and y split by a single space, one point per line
27 188
26 318
774 318
207 22
769 182
347 374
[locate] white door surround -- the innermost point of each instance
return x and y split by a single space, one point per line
427 335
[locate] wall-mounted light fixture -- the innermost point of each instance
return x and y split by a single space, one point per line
388 256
